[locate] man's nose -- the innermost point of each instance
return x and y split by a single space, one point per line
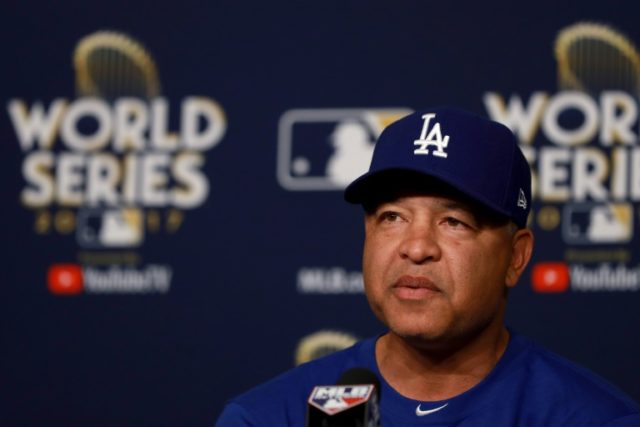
420 243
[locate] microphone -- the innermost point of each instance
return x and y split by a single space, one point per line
353 402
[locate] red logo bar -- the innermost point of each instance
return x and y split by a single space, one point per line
65 279
550 277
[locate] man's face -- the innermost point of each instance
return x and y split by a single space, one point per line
435 271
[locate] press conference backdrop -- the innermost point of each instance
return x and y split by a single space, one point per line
173 224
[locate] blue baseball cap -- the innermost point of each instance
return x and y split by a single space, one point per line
474 155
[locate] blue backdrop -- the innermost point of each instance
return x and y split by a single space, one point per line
174 229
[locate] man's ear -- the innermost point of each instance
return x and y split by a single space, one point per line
521 249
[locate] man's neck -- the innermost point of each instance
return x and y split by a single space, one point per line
424 374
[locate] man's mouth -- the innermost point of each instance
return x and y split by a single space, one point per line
414 288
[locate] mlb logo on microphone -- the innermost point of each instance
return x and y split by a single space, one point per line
326 149
334 399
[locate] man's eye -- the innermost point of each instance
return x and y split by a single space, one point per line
389 217
454 222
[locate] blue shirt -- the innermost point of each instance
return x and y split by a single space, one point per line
530 386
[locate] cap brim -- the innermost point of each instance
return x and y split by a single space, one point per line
373 186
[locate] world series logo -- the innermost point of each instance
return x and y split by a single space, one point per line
116 162
582 144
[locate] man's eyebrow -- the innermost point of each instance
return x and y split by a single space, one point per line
456 205
482 216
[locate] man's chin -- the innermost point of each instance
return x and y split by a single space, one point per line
425 336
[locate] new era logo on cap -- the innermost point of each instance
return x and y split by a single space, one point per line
522 200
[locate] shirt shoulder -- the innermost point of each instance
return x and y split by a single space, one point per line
555 384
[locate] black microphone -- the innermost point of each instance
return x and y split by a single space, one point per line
353 402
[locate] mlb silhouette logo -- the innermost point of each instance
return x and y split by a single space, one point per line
110 228
326 149
598 223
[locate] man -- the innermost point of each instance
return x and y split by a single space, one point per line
446 202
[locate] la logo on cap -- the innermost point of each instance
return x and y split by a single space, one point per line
433 138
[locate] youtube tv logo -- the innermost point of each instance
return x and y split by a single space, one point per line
550 277
65 279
